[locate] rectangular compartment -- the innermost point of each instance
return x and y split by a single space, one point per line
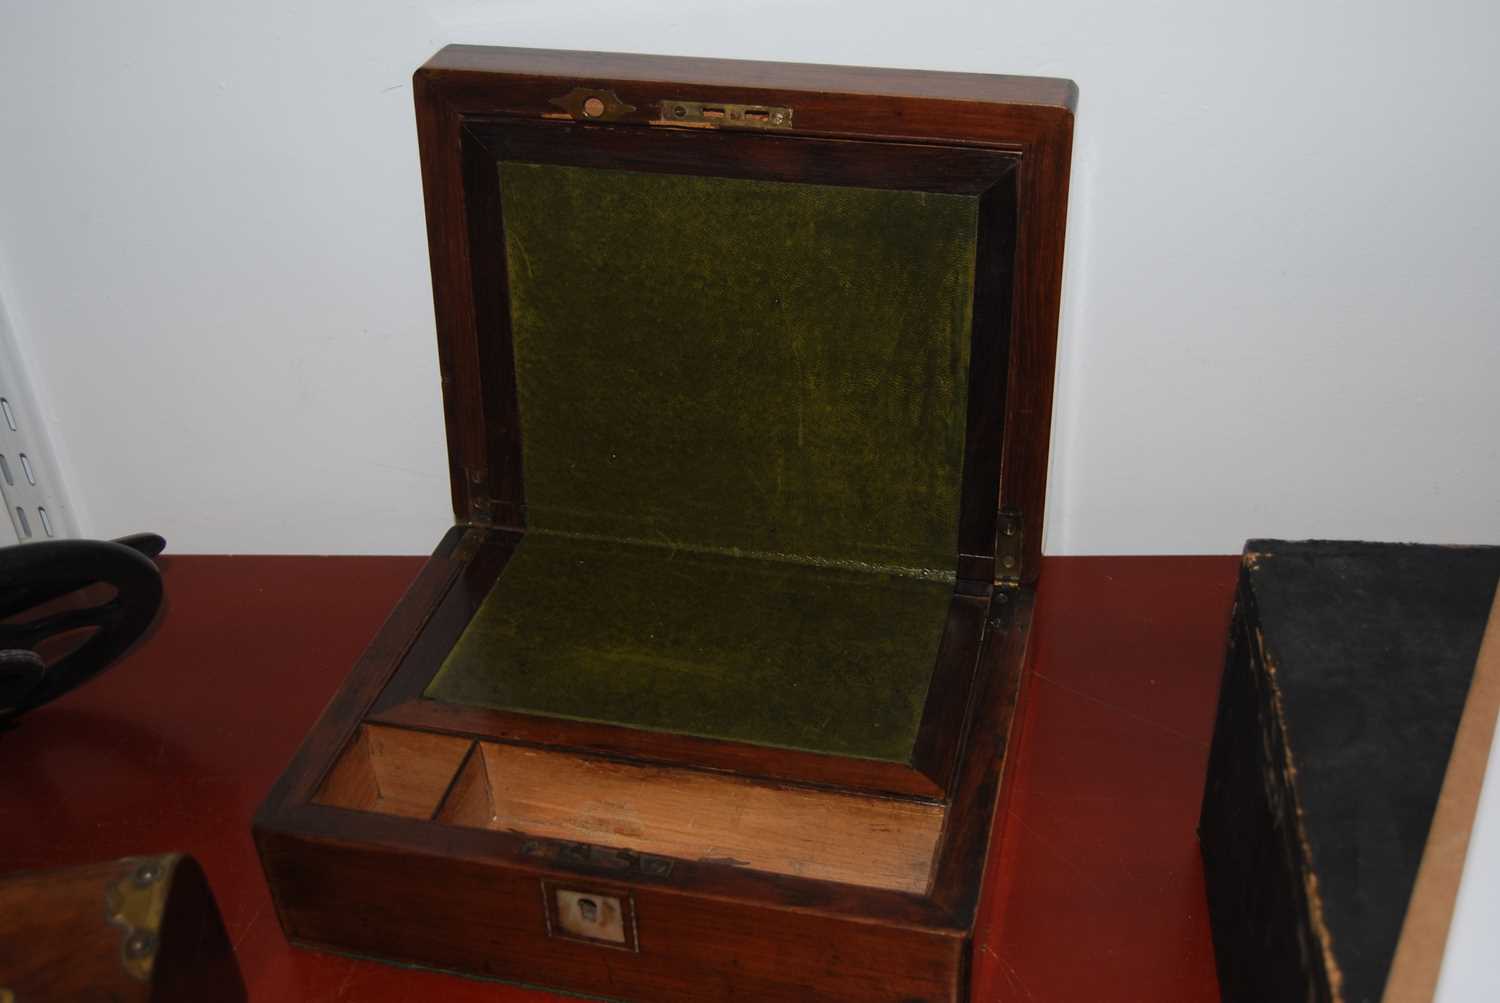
678 813
694 815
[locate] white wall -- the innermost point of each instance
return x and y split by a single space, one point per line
1282 301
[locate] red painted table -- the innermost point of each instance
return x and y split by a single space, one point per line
1095 891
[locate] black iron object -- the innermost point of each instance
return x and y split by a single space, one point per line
33 575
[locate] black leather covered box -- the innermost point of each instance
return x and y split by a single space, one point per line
1354 724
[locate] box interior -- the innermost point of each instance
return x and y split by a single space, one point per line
742 408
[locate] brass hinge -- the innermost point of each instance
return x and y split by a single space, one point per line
1008 549
481 505
136 904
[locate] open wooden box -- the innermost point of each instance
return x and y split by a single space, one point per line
747 371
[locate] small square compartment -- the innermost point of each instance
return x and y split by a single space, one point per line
393 771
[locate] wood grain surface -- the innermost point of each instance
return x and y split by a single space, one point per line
879 842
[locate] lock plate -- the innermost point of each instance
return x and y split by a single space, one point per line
723 115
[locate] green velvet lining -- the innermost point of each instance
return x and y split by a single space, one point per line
768 652
741 365
742 417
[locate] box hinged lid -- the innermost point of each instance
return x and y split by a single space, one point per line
966 171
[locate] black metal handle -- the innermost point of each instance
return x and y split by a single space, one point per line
34 574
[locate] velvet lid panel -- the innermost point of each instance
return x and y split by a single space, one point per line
741 366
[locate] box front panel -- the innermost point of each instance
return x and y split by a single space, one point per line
588 934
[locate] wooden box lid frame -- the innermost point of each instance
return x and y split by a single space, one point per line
464 91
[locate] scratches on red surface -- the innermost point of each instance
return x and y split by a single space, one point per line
1122 710
244 929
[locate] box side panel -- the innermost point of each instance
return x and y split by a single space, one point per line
1263 934
499 922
